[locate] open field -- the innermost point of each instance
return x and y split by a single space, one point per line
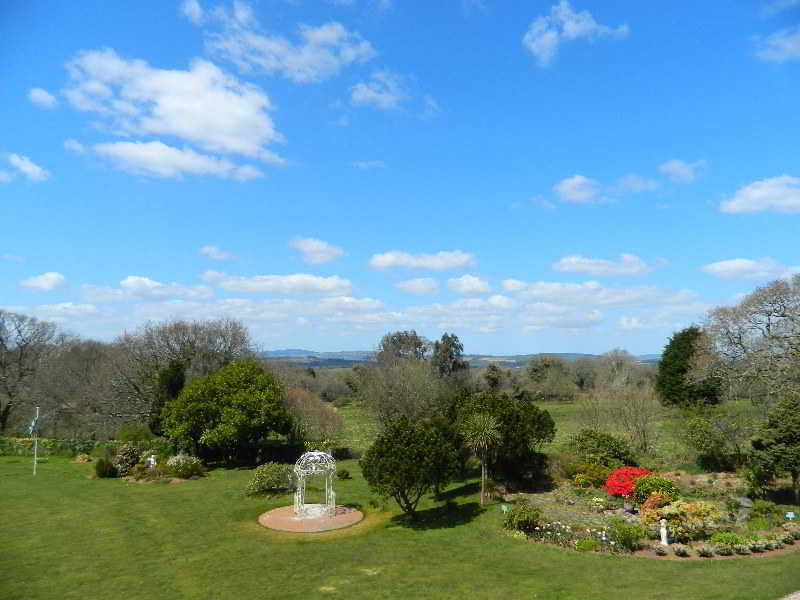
66 536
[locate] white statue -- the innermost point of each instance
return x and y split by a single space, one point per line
664 539
151 461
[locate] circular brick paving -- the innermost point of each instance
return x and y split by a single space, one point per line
284 519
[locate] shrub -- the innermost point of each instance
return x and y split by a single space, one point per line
627 535
757 546
83 458
185 466
759 524
127 457
105 468
587 544
705 551
772 545
621 481
661 550
765 509
792 529
134 432
680 550
523 517
651 484
788 539
686 520
742 549
601 448
727 538
269 478
343 474
723 550
656 500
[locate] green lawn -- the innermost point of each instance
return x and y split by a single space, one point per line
67 536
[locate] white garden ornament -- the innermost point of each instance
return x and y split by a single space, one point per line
314 463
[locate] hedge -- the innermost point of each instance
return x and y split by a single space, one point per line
56 447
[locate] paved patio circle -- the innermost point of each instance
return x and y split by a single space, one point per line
284 519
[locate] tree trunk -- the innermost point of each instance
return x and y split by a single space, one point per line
4 413
483 478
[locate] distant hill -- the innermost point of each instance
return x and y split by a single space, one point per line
348 358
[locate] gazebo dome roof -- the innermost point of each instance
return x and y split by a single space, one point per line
315 463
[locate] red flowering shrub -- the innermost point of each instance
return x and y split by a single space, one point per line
621 481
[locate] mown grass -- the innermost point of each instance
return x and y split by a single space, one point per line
66 536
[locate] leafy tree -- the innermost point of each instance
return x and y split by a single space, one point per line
777 449
171 380
482 435
448 355
399 345
523 428
551 377
230 412
672 383
407 460
494 377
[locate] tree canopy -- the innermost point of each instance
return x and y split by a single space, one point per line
672 383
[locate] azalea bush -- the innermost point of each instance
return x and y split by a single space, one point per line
622 481
686 520
185 466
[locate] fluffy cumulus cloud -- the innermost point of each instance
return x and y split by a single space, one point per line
202 106
215 253
468 285
42 98
192 10
160 160
45 282
319 53
593 293
564 24
423 286
135 287
577 189
316 251
299 284
745 268
781 46
681 171
383 91
540 315
27 167
441 261
779 194
628 264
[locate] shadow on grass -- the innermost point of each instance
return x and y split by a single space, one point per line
468 489
447 516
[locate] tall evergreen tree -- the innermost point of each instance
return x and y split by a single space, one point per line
672 383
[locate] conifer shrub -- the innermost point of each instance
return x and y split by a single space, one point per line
104 468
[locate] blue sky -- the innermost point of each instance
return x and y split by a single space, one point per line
533 176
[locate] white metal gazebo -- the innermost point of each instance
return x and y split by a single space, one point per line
314 463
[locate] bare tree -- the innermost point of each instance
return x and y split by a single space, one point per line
24 342
315 420
410 388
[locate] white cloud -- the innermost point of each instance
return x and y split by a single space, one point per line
468 285
630 323
438 262
514 285
316 251
501 302
593 293
320 53
42 98
74 146
203 106
542 314
780 194
159 160
285 285
547 33
6 177
780 46
215 253
192 10
681 171
577 189
430 107
421 286
628 264
369 164
135 287
384 91
634 184
338 304
27 167
68 309
745 268
45 282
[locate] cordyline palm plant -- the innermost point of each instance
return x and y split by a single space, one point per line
481 434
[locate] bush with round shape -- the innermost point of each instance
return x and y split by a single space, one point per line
661 550
705 551
727 538
628 536
587 544
343 474
680 550
655 501
622 480
652 484
788 539
723 550
599 447
270 478
185 466
523 517
127 457
742 549
757 546
104 468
